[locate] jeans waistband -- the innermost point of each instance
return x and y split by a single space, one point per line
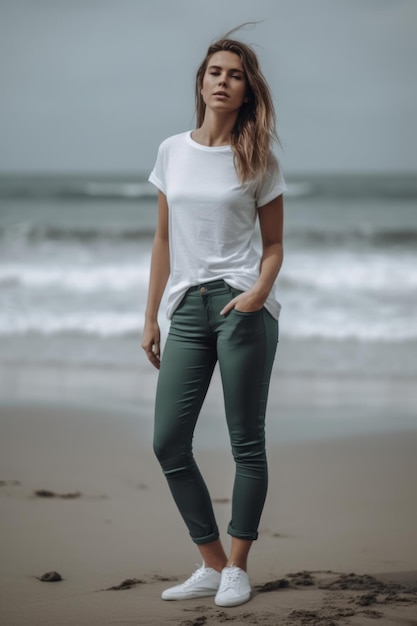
209 287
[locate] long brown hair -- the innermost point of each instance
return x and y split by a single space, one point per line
255 127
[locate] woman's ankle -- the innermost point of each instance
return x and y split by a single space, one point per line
217 565
213 555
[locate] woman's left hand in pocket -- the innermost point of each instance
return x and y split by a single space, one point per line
246 302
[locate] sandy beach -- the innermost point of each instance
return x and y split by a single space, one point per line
81 494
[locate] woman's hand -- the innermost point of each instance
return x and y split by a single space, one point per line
151 343
247 302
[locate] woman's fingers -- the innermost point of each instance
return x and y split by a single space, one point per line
229 306
153 354
156 355
151 346
243 302
154 359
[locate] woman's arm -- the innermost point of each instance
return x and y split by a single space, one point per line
160 269
271 220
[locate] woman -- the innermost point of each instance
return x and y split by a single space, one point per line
214 182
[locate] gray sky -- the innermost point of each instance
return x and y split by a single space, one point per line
96 84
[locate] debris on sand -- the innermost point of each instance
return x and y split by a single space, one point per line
50 577
128 583
45 493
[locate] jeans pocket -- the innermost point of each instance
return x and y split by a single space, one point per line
248 313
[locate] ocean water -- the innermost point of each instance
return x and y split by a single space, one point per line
74 263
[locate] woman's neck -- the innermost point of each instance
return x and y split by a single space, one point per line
215 130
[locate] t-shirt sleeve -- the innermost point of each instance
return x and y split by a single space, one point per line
157 176
272 185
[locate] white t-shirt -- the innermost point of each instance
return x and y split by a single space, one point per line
212 216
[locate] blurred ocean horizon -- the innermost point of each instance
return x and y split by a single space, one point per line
75 253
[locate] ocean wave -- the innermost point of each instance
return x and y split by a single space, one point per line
377 237
33 233
99 325
384 277
393 331
135 185
119 190
107 278
342 273
68 187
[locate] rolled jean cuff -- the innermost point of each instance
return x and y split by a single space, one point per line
251 536
207 539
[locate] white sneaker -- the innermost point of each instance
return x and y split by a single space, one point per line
204 582
234 587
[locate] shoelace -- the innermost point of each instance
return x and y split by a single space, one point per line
199 573
231 577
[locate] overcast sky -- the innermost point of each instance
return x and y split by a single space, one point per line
95 85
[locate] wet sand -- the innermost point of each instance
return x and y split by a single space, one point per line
82 495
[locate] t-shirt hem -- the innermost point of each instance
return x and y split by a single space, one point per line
272 305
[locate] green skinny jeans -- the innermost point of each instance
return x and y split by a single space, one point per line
244 344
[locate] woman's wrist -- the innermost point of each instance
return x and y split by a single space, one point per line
151 318
260 292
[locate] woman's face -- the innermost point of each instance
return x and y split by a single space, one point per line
224 82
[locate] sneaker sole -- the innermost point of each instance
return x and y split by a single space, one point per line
235 602
189 596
